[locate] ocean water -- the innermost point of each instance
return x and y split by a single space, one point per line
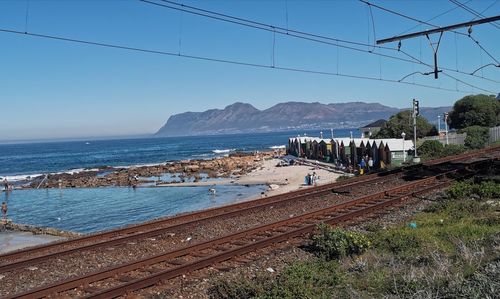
88 210
49 157
95 209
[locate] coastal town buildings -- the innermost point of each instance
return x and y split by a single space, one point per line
349 152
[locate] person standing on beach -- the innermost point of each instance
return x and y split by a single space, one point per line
6 184
4 210
370 164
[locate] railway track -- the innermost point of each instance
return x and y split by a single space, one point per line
200 255
158 227
19 259
203 254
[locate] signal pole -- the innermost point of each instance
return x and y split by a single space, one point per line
416 112
446 126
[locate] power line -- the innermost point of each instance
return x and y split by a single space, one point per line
486 65
226 61
275 29
472 11
484 10
423 22
433 18
297 33
251 23
468 84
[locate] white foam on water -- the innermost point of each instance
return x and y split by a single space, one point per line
277 146
223 151
22 177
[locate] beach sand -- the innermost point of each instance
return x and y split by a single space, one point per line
288 178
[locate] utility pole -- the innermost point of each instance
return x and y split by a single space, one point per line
416 112
404 153
439 124
446 126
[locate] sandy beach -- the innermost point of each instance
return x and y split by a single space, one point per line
280 179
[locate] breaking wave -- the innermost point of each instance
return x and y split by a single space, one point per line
223 151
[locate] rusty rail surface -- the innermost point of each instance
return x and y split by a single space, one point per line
126 235
131 229
314 215
362 205
313 191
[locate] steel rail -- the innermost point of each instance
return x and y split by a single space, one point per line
126 234
106 273
227 255
137 227
194 215
158 231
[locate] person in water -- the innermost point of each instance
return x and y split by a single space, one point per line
6 184
4 209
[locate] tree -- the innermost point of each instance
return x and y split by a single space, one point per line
475 110
476 137
403 122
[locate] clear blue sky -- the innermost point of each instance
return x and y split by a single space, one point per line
58 89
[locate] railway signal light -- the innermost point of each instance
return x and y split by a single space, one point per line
416 109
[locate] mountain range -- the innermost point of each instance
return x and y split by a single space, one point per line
244 118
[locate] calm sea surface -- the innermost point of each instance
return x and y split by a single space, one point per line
96 209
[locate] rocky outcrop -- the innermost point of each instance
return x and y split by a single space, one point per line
232 165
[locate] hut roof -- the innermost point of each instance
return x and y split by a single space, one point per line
395 144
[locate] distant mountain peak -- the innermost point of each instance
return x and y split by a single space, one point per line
241 117
240 105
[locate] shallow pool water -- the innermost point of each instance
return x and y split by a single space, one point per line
95 209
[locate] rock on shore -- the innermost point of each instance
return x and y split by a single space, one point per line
227 166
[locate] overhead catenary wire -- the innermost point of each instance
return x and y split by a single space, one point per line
465 83
299 34
426 23
433 18
487 8
226 61
275 29
486 65
472 11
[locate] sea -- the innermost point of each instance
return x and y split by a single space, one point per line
88 210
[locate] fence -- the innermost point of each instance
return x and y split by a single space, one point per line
494 134
455 138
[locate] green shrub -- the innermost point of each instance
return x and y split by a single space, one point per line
399 241
453 149
244 289
460 190
318 279
488 190
333 243
476 137
430 149
465 208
